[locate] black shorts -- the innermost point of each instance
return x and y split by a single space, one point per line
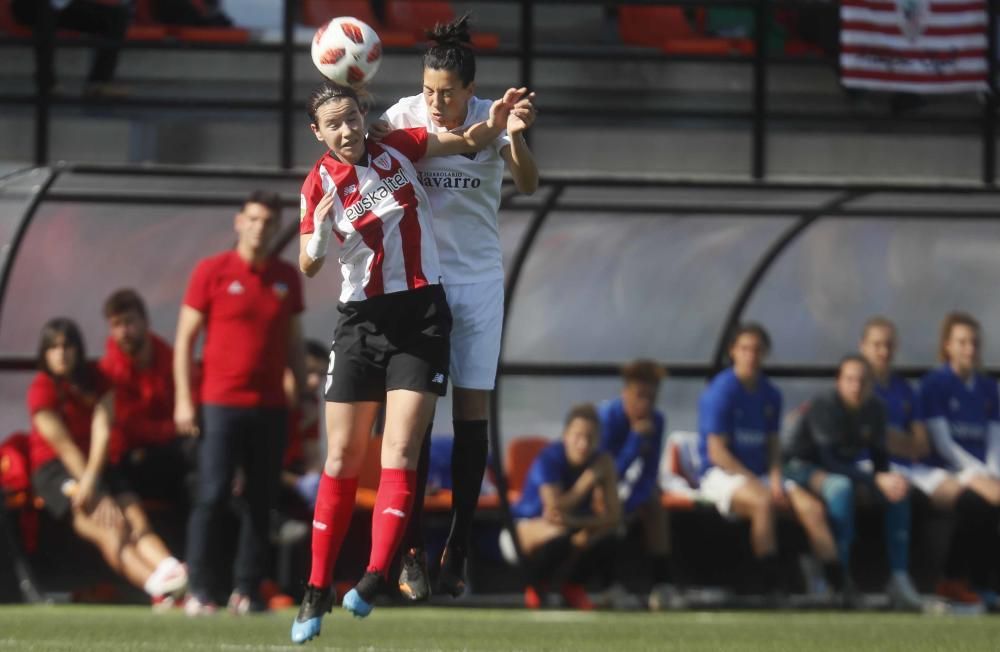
50 480
392 341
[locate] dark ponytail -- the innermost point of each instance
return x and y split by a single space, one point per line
452 50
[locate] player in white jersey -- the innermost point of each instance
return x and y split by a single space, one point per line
465 194
392 337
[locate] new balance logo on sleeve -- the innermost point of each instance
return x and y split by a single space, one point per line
438 379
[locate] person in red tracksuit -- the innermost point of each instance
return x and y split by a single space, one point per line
247 302
145 444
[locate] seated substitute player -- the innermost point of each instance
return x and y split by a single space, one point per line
392 338
632 433
906 437
569 510
908 443
738 422
838 428
464 192
959 405
146 448
71 411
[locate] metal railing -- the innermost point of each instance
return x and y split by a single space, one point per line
528 53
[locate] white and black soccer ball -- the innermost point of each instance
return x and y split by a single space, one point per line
347 51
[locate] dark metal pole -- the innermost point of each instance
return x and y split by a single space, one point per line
990 106
287 83
513 276
767 259
45 30
758 149
22 228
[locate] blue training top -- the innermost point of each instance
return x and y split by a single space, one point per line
550 467
637 457
967 409
902 408
747 419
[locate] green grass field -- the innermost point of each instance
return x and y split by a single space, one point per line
83 628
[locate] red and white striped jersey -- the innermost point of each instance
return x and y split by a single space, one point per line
381 217
917 46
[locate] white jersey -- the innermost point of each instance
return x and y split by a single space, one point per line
464 191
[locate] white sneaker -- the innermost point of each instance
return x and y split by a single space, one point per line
664 596
195 607
616 597
507 549
902 593
169 578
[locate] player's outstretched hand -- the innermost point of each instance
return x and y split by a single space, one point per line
379 130
523 115
501 109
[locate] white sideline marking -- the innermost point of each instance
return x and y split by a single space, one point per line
48 644
561 616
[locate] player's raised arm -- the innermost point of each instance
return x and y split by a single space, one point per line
480 134
517 155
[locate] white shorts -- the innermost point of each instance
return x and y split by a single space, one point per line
477 322
928 478
718 486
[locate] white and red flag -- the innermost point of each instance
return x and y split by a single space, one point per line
917 46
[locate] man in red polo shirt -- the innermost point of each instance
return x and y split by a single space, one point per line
139 366
248 304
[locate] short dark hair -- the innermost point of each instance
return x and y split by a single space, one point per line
452 50
751 328
122 301
854 357
585 411
645 371
317 349
270 200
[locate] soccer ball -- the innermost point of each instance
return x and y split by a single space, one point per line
347 51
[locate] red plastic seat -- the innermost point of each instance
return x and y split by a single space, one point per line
317 12
668 29
418 17
521 453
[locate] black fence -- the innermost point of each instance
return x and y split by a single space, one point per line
528 52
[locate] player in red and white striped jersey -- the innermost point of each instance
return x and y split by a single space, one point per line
392 338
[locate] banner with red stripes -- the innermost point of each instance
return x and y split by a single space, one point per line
918 46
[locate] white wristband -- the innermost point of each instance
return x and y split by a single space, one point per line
318 243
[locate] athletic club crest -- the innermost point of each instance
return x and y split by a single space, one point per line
912 16
383 162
